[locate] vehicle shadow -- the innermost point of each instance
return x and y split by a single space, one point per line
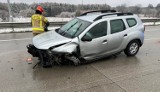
121 58
69 71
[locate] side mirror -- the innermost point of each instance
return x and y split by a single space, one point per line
57 29
86 38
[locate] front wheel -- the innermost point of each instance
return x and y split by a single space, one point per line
132 48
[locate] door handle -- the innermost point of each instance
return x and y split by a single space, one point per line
125 35
104 42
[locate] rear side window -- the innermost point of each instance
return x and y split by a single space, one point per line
131 22
117 26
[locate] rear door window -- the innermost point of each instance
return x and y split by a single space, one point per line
131 22
117 26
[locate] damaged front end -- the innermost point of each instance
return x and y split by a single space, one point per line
53 48
69 51
44 56
59 54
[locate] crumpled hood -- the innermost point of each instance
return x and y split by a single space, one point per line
48 39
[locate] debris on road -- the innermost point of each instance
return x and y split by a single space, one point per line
29 60
12 68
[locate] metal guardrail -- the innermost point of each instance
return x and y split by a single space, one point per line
26 24
151 20
52 24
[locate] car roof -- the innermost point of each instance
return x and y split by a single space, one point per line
90 17
93 16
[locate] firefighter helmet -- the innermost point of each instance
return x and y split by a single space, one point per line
39 8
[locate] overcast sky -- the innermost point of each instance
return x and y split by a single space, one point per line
109 2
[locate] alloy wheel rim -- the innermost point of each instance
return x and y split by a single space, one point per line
133 48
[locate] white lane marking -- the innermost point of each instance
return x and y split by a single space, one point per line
15 39
151 39
153 30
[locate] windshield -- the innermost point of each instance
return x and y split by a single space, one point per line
73 28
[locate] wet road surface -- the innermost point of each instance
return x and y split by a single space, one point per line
121 74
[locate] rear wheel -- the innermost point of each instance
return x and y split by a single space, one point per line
132 48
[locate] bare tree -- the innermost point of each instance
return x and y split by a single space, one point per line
158 10
26 13
136 9
4 12
153 13
78 13
122 8
4 15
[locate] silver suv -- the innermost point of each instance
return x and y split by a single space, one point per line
91 36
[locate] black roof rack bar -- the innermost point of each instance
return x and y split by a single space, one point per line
102 11
121 14
100 17
118 14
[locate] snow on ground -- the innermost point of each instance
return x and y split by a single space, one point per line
9 30
50 19
151 23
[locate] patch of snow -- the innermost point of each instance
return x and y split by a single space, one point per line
151 23
9 30
50 19
0 19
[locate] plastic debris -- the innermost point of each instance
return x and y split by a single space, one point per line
29 60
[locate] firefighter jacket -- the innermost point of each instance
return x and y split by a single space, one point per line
38 23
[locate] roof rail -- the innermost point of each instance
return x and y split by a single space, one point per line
123 14
102 11
117 13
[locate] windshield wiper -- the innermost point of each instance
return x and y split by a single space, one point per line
63 33
71 26
77 30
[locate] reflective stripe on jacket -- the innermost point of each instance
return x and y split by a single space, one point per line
38 23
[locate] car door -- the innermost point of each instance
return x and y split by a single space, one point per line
98 45
117 36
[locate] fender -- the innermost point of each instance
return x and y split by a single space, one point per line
68 48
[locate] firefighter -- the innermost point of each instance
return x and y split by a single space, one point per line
39 22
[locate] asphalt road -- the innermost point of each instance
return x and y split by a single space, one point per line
122 74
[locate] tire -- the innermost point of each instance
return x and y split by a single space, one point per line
46 64
132 48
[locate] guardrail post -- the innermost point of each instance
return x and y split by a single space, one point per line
156 20
154 23
12 27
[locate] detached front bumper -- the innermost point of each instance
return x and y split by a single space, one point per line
44 57
32 50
